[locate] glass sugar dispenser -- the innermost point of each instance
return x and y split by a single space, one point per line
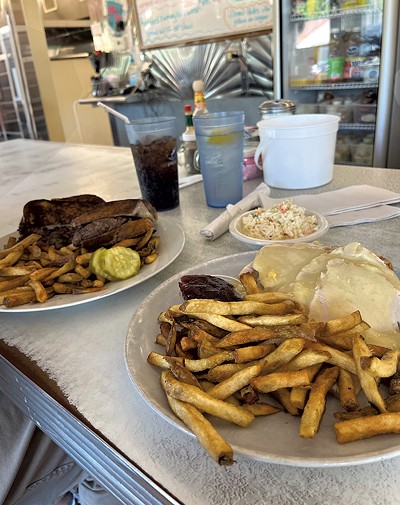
273 108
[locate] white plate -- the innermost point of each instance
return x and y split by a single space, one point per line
274 438
236 230
172 240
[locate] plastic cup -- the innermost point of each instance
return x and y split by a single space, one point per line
153 146
219 138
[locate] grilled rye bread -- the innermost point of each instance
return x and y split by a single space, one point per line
39 214
87 220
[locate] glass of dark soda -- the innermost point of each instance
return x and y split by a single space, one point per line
153 145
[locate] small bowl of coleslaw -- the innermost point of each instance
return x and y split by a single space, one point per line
284 222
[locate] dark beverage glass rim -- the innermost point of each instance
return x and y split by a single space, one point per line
152 120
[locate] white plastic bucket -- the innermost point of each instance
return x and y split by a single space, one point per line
297 151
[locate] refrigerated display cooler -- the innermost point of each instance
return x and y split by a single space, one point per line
339 57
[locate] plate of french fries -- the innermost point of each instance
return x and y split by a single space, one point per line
257 378
28 284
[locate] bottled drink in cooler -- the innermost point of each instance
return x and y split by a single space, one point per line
335 56
353 43
353 64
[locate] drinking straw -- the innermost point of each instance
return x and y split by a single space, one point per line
114 112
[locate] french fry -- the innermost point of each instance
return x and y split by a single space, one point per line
222 372
170 335
249 282
11 258
247 336
283 354
283 397
182 374
83 259
364 411
264 334
274 320
70 278
161 340
209 328
200 335
315 407
236 382
19 289
19 298
342 324
236 308
305 359
69 265
338 358
34 251
156 359
16 271
261 409
209 438
278 380
367 381
392 403
11 241
343 340
219 321
82 271
14 282
22 244
40 291
253 352
347 391
366 427
188 343
42 273
199 365
269 297
247 395
298 395
205 402
206 349
384 367
150 258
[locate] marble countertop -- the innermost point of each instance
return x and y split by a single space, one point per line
175 461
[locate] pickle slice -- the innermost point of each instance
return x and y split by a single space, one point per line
115 264
96 261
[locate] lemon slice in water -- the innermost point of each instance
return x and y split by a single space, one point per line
221 139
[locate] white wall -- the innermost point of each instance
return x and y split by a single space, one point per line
81 123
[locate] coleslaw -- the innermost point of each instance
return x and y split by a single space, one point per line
282 221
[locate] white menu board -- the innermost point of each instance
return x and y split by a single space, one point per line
163 23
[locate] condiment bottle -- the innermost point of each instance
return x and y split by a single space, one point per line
188 149
199 100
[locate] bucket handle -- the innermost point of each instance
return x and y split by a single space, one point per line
262 148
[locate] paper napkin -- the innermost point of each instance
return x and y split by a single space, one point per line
369 215
342 200
221 224
189 180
